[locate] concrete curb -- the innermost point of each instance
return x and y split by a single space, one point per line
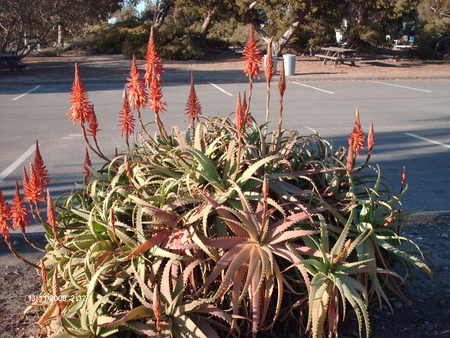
430 217
186 80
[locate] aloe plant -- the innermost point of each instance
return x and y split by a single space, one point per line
223 229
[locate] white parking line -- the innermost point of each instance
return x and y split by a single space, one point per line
28 92
321 90
16 163
428 140
395 85
221 89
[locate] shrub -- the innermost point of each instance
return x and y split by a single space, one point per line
225 229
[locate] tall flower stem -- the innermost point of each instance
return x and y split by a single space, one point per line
96 150
17 255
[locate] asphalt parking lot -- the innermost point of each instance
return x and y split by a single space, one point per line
411 121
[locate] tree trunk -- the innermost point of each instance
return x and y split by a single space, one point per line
60 41
207 24
278 46
161 11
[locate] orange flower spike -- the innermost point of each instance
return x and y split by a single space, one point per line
240 117
137 96
5 216
40 168
370 139
51 217
154 66
282 81
93 123
268 67
32 188
155 97
126 118
403 180
252 57
356 139
19 211
193 107
80 101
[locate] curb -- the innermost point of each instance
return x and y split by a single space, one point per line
294 78
429 217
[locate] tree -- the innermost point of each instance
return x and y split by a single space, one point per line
207 12
26 23
282 19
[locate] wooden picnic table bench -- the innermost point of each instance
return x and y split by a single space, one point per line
337 55
11 62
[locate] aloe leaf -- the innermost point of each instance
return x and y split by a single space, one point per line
148 244
251 170
404 255
117 319
209 171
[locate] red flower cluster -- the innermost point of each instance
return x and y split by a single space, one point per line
154 67
81 107
137 96
193 107
252 57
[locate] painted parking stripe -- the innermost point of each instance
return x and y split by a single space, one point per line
16 163
315 88
428 140
221 89
404 87
28 92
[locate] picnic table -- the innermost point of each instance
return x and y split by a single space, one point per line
337 54
11 62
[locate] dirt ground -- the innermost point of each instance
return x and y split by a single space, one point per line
221 67
430 314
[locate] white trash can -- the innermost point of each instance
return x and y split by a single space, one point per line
289 64
275 58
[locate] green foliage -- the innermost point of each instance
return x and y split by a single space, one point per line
131 38
366 36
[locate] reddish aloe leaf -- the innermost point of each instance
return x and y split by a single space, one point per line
80 101
154 67
157 239
224 242
137 96
252 57
227 217
5 216
19 211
